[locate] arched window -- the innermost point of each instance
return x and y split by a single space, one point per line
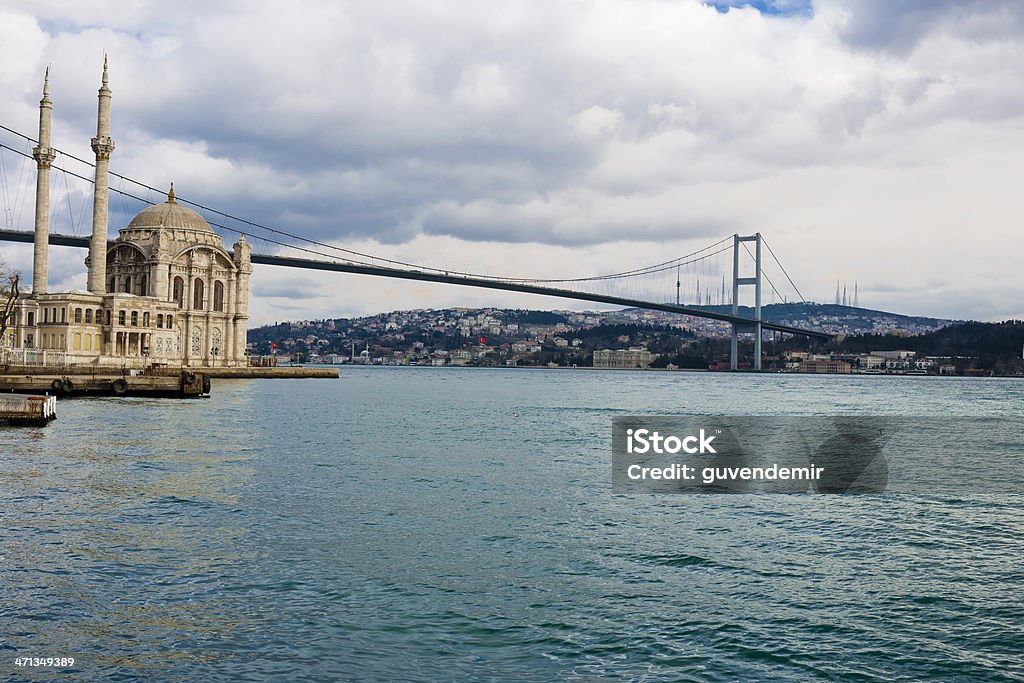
170 321
120 318
197 295
108 316
78 315
145 319
88 316
218 296
31 318
178 291
135 318
143 282
128 284
46 315
113 285
160 320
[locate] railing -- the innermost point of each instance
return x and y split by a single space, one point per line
47 357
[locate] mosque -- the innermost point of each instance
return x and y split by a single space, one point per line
165 292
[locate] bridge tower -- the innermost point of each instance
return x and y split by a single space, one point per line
737 282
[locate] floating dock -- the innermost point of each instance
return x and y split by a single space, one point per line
180 385
21 409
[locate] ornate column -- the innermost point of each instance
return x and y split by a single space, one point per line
243 259
161 270
230 352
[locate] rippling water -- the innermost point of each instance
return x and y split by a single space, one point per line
446 524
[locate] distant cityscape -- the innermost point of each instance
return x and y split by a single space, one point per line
866 341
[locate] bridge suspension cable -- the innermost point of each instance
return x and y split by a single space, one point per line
686 259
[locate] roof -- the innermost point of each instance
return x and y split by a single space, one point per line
170 214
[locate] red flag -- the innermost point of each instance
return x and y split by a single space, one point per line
482 340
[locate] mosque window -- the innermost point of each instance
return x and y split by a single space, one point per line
63 315
113 285
145 319
46 315
88 316
198 298
179 291
31 318
120 318
108 317
142 286
170 321
128 285
218 296
160 320
78 315
135 318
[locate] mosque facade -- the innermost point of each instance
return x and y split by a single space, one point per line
165 292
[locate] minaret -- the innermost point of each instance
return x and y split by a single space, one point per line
103 146
44 156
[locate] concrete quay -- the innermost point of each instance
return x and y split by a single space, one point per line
282 372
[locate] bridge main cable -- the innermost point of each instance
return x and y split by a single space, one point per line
399 273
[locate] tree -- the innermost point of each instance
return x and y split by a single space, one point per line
9 281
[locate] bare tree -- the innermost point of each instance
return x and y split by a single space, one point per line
9 291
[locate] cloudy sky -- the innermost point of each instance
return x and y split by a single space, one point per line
871 141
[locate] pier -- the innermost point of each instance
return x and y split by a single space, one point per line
21 409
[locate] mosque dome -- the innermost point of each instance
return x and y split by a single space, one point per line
171 215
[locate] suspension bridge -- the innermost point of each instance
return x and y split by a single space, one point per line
658 287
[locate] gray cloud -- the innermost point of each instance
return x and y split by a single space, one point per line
901 26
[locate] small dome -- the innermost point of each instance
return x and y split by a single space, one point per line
170 214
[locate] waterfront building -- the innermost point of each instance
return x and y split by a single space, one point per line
831 367
870 362
164 292
622 359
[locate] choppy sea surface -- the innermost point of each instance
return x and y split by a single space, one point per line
444 524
